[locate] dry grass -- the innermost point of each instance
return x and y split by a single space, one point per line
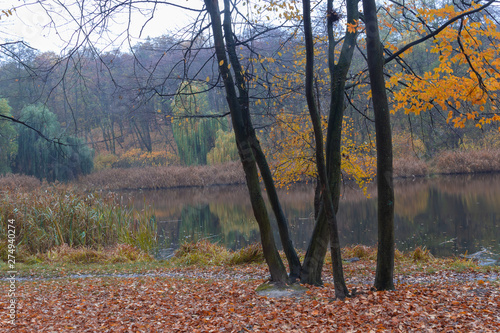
204 253
359 251
410 167
164 177
250 254
201 253
15 182
51 216
420 254
469 161
450 162
120 253
364 252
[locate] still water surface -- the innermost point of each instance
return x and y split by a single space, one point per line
448 215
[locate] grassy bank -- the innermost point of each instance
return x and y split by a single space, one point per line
359 262
46 216
451 162
164 177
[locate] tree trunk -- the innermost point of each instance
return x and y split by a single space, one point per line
385 255
338 275
243 141
313 262
286 241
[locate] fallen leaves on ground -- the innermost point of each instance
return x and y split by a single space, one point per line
194 303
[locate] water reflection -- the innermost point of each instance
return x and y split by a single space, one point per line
448 215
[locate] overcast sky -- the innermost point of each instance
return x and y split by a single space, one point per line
31 23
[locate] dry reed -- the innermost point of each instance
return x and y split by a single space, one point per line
231 173
119 253
204 253
469 161
410 167
15 182
164 177
51 216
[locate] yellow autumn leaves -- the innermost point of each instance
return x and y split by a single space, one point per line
465 80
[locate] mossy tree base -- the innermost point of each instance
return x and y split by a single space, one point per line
273 290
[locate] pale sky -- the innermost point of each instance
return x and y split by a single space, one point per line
31 23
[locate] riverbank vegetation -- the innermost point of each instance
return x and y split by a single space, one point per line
203 255
449 162
46 216
59 224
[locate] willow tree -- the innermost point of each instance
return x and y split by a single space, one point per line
53 156
195 132
8 144
225 149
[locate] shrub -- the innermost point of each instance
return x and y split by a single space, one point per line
421 254
247 255
360 251
11 182
201 253
410 166
138 158
104 161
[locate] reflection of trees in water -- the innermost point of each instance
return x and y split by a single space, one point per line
358 222
461 214
429 212
197 222
238 227
411 198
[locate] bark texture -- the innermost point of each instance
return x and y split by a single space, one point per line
329 211
313 262
384 276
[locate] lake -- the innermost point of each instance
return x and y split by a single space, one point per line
449 215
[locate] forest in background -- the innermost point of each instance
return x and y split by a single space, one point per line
161 103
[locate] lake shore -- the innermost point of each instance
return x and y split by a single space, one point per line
451 162
231 173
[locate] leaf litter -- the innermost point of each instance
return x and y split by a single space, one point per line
220 299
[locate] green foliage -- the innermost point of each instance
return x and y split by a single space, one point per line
8 144
225 149
64 158
194 137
